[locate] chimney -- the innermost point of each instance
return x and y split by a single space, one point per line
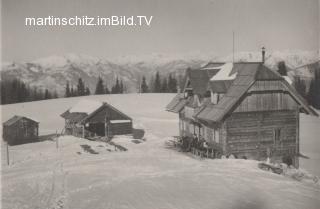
263 54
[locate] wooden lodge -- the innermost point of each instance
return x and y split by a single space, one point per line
244 109
20 130
89 119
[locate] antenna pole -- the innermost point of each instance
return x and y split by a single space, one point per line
232 46
8 157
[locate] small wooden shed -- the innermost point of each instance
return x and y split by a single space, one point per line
20 129
90 118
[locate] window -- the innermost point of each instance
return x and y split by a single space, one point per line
203 131
277 135
185 127
216 136
207 94
214 98
205 134
220 95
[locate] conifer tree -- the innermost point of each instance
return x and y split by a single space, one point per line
157 83
172 84
47 94
164 85
314 91
100 87
144 86
67 91
72 93
151 84
87 91
282 69
116 88
107 91
121 87
80 88
15 91
55 94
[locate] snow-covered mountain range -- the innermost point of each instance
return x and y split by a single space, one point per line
53 72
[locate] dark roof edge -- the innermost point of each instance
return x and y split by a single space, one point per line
104 104
300 99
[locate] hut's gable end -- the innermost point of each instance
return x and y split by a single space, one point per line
20 130
267 96
104 113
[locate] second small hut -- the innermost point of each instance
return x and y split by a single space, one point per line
92 118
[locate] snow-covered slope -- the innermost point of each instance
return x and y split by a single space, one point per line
53 72
149 174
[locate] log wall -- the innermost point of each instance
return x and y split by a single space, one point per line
120 128
22 131
251 134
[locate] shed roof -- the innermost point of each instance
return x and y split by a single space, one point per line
85 106
179 106
176 104
199 79
16 118
85 109
103 107
74 117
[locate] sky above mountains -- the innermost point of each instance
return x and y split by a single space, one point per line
178 27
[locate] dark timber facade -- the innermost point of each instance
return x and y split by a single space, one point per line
106 120
252 112
19 130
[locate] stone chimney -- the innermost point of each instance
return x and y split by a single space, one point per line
263 54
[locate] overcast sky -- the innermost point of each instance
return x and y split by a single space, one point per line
178 27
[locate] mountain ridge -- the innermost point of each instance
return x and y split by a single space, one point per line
54 71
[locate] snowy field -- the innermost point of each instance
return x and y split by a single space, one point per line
148 175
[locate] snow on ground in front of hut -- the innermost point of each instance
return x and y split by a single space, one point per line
148 175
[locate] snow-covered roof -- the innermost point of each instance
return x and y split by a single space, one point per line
86 106
16 118
120 121
288 79
224 73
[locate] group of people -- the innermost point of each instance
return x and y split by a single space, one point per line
194 141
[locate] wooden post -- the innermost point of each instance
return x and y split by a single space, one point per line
296 158
83 134
57 144
8 159
180 128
